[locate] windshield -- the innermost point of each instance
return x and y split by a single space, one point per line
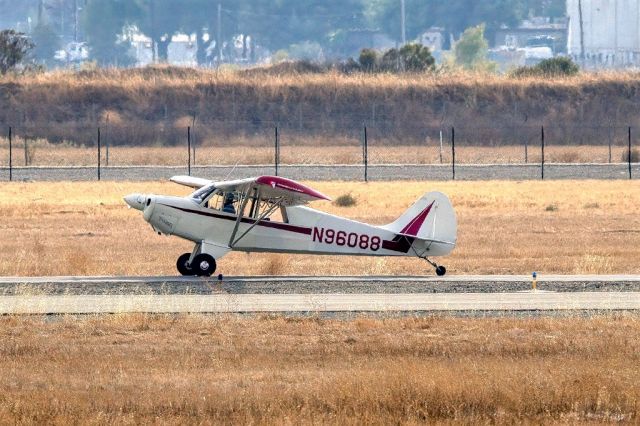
201 194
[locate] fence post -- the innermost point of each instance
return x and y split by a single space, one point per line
365 154
106 141
10 155
26 151
189 150
440 146
629 152
193 126
277 149
453 152
610 129
542 146
99 152
526 151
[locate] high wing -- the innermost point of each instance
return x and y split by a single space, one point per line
190 181
285 191
275 188
271 188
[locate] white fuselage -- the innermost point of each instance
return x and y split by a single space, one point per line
306 231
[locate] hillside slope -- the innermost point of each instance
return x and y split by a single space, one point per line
154 105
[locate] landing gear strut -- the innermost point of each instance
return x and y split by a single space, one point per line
440 270
183 265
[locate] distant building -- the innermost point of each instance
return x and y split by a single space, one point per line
604 33
535 32
433 38
181 50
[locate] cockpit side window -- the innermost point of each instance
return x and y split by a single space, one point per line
203 193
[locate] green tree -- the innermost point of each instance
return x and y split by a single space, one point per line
14 48
416 57
554 67
104 21
551 8
453 15
471 50
368 60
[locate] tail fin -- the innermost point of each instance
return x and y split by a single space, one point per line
430 218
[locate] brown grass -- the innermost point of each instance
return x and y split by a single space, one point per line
130 369
153 105
504 227
312 150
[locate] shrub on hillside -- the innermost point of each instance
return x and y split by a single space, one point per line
635 156
412 57
287 68
561 66
368 59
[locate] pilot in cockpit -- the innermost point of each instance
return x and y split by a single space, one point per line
227 204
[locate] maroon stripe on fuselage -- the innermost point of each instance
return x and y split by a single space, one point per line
266 224
400 244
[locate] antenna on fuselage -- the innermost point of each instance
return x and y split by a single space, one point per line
232 170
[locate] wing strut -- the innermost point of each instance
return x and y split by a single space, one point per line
240 212
266 213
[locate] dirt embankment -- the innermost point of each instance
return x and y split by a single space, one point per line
155 106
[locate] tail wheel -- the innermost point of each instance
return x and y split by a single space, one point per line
183 265
441 270
203 265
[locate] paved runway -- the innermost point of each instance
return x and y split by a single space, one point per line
83 295
174 285
335 302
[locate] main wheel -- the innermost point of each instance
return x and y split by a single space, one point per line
183 266
203 265
441 270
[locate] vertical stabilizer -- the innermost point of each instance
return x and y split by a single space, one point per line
430 218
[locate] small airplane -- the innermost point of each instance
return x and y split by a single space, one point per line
268 214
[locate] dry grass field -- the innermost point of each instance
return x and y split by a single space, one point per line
308 151
153 105
589 227
142 369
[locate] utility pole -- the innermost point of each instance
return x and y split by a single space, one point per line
581 32
75 21
152 15
403 29
219 38
40 11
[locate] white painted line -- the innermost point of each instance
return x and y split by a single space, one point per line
534 301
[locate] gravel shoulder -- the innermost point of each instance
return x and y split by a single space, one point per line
307 285
333 172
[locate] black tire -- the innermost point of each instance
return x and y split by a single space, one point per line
203 265
441 270
182 266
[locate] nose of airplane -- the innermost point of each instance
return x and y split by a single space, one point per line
135 201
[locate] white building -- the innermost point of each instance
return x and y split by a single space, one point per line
433 38
181 50
604 33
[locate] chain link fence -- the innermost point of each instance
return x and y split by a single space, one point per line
307 149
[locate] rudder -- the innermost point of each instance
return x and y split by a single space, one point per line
430 218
